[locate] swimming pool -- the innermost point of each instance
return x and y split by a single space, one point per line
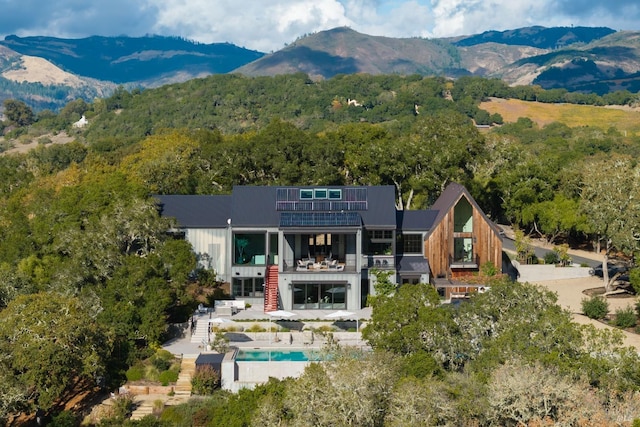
258 355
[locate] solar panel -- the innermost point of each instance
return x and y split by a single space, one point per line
320 219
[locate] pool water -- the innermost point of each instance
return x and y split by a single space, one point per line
256 355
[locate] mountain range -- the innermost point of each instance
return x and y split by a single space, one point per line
47 72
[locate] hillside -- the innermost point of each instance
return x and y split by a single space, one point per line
129 60
345 51
47 72
623 119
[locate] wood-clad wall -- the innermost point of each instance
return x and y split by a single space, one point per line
439 245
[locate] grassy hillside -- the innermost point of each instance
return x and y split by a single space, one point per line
625 119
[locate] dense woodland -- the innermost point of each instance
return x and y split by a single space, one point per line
90 281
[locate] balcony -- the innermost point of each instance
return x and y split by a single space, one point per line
466 262
382 262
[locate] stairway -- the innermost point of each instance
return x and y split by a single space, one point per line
183 384
201 332
144 408
271 289
182 390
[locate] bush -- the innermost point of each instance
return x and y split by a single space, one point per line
595 307
161 364
135 373
551 258
167 377
489 269
255 328
64 419
625 318
205 380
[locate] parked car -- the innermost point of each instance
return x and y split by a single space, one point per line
612 268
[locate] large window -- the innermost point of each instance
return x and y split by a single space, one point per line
463 249
411 243
463 217
248 287
378 242
249 248
319 296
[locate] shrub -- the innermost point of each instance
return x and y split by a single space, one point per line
489 269
205 380
595 307
167 377
135 373
220 343
255 328
551 258
324 329
625 318
161 364
64 419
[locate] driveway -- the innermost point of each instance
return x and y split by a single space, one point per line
570 296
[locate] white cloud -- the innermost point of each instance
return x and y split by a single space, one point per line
256 24
267 25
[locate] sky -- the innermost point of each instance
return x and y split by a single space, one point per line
269 25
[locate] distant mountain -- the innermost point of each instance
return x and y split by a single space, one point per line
607 64
131 60
540 37
345 51
104 62
576 58
584 59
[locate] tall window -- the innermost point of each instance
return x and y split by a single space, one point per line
249 248
463 217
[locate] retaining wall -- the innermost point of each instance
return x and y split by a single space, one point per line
541 273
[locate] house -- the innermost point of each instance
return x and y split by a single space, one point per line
81 123
306 248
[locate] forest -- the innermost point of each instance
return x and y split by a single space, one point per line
90 281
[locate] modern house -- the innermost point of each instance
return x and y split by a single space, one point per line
306 248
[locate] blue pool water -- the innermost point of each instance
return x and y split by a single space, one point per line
255 355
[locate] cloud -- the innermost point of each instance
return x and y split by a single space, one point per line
267 25
257 24
72 18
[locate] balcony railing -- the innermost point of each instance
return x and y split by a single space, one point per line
382 262
464 262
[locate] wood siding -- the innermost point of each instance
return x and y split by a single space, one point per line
439 247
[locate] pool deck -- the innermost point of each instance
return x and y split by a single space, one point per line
184 346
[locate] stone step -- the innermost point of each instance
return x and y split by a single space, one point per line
141 412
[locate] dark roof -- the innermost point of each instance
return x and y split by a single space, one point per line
450 196
255 206
209 359
415 220
413 264
196 211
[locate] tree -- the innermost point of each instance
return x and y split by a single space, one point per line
18 113
556 218
610 199
51 343
521 393
412 321
341 392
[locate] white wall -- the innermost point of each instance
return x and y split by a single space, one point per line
540 273
208 240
